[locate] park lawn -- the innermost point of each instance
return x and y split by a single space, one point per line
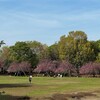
46 86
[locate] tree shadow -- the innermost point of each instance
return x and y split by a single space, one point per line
14 85
10 97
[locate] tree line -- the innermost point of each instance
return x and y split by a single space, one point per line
72 54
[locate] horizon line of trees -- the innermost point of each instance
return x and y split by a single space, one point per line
74 52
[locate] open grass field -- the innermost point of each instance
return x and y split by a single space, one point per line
16 87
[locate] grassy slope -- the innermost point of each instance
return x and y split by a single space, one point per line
19 86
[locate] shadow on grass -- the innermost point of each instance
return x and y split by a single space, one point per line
4 96
14 85
75 96
9 97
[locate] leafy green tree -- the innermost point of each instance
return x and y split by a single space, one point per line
98 50
78 35
5 52
5 55
22 52
38 48
35 46
62 47
53 52
76 49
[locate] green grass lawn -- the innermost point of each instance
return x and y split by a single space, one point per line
46 86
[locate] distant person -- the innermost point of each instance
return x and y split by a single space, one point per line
30 78
58 75
61 76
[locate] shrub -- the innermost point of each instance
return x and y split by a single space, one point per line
90 69
66 68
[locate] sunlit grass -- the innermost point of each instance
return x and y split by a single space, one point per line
41 86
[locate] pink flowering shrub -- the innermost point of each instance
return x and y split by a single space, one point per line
66 68
19 67
55 67
90 69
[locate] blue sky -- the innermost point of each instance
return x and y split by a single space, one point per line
46 20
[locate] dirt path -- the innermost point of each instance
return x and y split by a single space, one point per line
73 96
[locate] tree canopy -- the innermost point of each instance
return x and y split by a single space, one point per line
74 49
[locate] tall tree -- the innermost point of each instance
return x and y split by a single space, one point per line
98 50
5 55
62 47
38 48
53 53
76 49
22 52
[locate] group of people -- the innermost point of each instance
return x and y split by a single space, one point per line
30 77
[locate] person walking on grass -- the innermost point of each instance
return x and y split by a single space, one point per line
30 78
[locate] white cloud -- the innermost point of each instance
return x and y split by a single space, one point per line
19 25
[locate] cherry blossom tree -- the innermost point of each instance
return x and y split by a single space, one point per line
19 68
46 66
55 67
66 68
90 69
